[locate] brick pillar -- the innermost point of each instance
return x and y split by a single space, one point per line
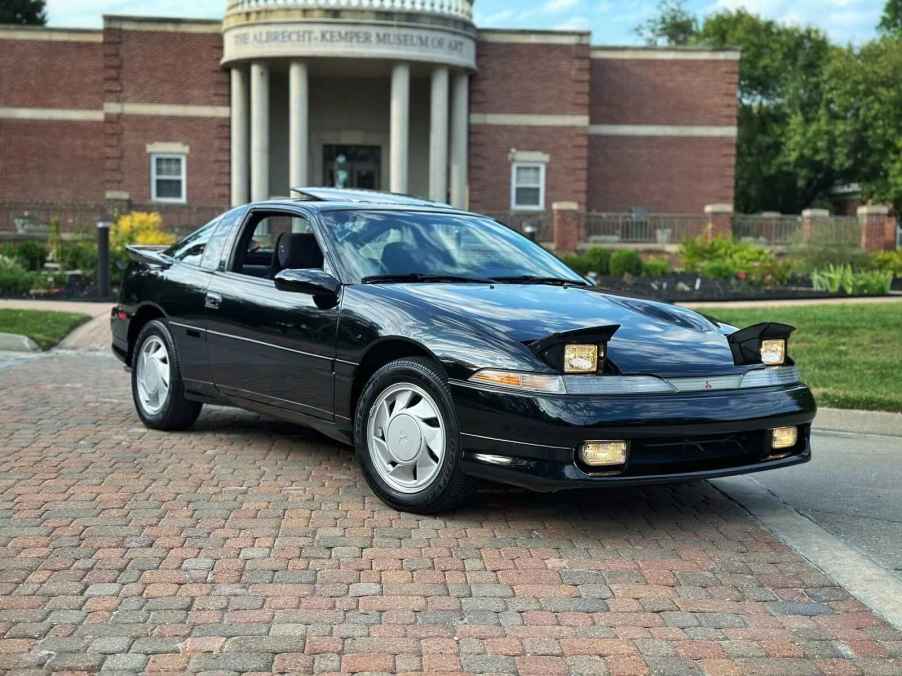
878 228
810 219
568 226
720 221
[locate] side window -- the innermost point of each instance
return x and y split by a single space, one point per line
214 254
257 247
191 249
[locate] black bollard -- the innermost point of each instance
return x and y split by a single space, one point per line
103 258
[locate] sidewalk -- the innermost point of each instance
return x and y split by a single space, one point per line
94 335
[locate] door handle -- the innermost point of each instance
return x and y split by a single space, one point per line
213 301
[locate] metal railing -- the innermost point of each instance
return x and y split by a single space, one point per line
540 221
611 228
461 9
836 231
767 228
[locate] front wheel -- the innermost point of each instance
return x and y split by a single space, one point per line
157 387
407 438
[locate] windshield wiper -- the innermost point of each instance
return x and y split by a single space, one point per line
419 277
536 279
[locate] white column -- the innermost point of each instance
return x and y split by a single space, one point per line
259 131
400 126
460 129
240 149
438 137
299 126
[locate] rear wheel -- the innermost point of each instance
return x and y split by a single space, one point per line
407 438
157 387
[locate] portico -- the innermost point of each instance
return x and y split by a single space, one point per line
374 96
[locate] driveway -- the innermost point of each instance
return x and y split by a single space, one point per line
246 545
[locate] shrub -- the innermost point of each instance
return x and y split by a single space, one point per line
873 282
843 279
813 257
599 260
578 262
889 261
655 267
626 263
15 280
718 269
725 259
80 256
30 254
139 227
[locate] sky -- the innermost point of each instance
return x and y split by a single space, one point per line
612 22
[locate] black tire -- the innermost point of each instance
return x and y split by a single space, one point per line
176 413
451 487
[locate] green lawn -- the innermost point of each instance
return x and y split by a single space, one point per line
45 328
850 355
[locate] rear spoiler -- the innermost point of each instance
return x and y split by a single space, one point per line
149 254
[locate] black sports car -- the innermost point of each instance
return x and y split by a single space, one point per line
445 346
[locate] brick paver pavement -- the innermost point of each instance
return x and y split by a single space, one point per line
251 546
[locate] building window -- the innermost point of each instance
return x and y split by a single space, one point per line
168 178
528 186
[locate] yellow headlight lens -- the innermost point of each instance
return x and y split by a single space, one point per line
784 437
580 358
529 382
773 352
603 453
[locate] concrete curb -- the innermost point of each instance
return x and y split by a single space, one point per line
858 422
875 587
10 342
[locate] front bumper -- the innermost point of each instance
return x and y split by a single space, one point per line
531 440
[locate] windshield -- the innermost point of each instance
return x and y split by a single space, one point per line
424 246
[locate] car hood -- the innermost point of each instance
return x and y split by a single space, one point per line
653 338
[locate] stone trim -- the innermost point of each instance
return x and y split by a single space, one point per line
722 208
517 120
520 37
166 110
529 156
710 131
118 195
162 25
639 53
168 148
50 34
873 210
565 206
51 114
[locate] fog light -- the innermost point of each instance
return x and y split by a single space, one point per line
773 352
603 453
784 437
580 358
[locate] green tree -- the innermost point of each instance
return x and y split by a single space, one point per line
862 115
23 12
891 21
673 25
784 161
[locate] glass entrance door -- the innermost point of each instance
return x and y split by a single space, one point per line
352 167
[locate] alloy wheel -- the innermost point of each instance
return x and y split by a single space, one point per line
153 375
406 437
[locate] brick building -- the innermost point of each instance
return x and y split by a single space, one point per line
187 117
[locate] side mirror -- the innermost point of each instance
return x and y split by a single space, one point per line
312 282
